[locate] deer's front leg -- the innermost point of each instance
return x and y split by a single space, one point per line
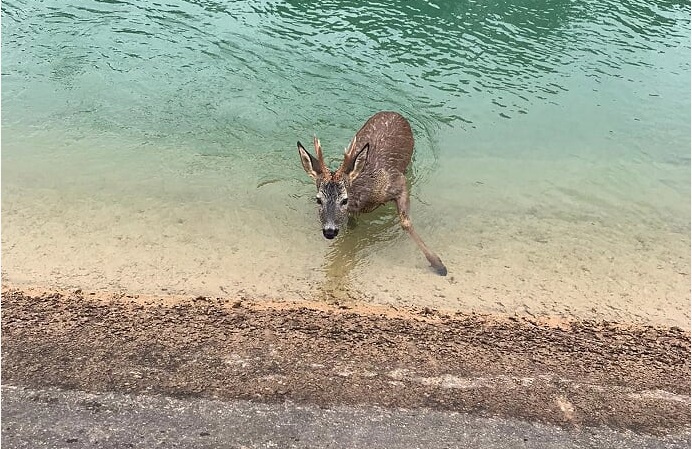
402 205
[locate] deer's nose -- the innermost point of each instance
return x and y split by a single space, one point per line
330 233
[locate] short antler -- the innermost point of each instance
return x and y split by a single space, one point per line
349 154
351 148
318 153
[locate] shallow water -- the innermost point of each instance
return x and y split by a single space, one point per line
151 146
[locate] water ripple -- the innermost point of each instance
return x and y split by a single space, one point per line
271 69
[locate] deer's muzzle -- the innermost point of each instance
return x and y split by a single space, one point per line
330 233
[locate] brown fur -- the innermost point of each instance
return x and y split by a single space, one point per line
372 172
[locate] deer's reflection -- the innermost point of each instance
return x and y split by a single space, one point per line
365 234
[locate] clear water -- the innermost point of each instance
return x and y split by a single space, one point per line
150 146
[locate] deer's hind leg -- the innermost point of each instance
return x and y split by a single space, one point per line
402 205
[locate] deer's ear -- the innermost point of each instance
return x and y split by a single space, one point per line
310 164
358 163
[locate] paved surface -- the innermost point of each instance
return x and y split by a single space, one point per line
329 361
60 419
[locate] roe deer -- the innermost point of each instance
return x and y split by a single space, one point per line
371 174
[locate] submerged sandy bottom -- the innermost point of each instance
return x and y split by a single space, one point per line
529 260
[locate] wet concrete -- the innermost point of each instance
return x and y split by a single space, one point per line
71 419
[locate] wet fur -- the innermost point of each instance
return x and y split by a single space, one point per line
371 174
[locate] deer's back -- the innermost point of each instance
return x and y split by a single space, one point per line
391 147
391 141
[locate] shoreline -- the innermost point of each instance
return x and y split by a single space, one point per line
333 304
574 374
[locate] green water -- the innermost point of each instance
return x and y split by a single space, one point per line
155 141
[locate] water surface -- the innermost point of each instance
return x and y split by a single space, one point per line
150 147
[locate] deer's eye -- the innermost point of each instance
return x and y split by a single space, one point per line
319 201
344 201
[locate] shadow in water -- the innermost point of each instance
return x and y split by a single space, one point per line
365 233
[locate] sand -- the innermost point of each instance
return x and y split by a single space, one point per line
530 263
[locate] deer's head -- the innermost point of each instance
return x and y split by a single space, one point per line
333 187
